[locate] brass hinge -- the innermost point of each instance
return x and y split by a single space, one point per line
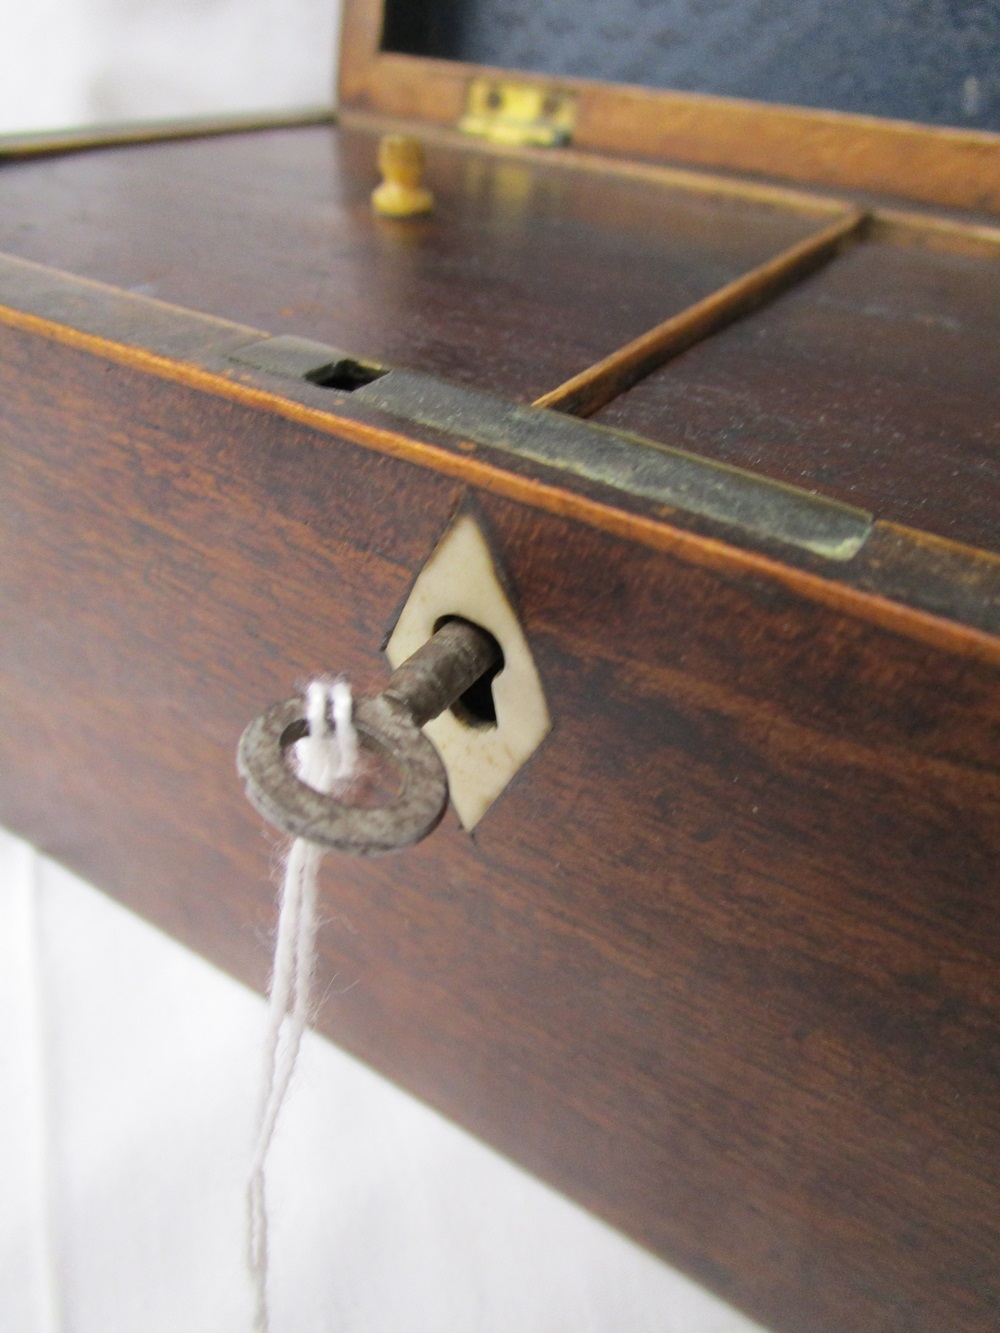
519 113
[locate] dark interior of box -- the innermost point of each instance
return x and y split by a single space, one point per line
933 61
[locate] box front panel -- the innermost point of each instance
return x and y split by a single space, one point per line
721 963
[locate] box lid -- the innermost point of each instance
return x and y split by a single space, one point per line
902 102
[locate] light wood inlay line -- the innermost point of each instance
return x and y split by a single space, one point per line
596 386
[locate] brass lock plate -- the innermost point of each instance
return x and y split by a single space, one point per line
528 114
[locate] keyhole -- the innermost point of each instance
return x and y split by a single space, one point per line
476 708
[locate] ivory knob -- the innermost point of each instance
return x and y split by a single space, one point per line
401 193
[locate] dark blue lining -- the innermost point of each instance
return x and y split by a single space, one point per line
935 61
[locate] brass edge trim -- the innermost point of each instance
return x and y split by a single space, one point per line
655 534
670 477
593 388
52 142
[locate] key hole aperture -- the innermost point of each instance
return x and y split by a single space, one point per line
476 707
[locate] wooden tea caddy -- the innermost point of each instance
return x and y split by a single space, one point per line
722 961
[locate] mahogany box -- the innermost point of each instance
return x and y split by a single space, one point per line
718 380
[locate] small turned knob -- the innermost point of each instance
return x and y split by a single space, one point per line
401 194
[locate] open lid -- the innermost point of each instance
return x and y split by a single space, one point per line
910 101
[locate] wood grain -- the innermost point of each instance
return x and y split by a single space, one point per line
962 231
497 289
874 382
750 189
943 593
952 167
596 386
737 916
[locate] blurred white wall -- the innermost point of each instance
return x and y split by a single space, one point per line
78 62
127 1091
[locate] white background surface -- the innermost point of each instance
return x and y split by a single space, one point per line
127 1085
69 62
128 1066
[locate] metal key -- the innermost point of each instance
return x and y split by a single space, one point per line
388 725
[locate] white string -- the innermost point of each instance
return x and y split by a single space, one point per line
323 758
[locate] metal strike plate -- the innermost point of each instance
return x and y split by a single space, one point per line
630 463
529 114
669 476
